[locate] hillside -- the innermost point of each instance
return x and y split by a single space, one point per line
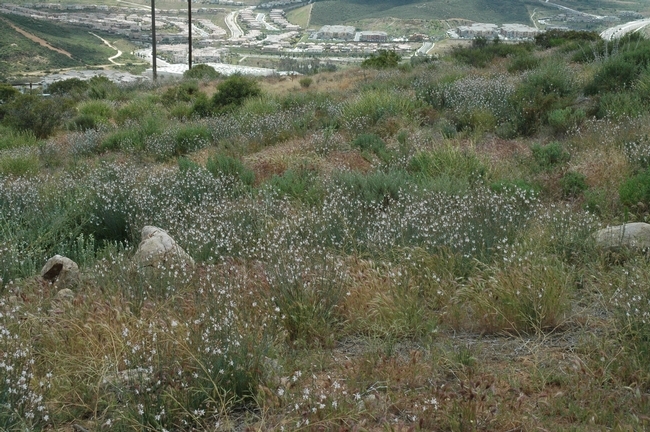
341 11
47 45
409 246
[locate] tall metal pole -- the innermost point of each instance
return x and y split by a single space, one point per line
153 39
189 26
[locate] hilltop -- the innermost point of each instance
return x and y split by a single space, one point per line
403 245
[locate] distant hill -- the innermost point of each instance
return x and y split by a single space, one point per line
67 46
496 11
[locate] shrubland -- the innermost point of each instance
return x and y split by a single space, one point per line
404 248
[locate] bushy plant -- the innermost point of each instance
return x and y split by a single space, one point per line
448 161
185 92
549 156
222 165
37 114
10 138
636 189
564 120
528 297
201 72
573 184
19 163
305 82
371 143
190 138
233 91
7 93
381 60
68 86
300 184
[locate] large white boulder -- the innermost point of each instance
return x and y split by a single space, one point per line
61 271
632 235
158 248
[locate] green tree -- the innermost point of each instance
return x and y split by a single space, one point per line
382 60
201 72
234 91
7 93
40 115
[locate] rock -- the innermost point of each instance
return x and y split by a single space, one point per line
157 247
65 294
632 235
61 270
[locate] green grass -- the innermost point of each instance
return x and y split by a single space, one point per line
338 12
300 16
19 54
370 253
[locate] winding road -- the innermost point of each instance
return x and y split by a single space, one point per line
110 59
231 21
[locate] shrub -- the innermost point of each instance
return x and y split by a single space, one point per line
523 62
101 87
619 105
68 86
7 93
305 82
222 165
532 296
549 156
383 59
233 91
615 74
10 138
563 120
185 92
376 188
300 184
573 184
201 72
19 164
448 161
190 138
636 189
544 90
371 143
40 115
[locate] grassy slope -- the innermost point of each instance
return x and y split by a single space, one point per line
86 49
498 11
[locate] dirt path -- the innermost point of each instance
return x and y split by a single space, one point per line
110 59
37 39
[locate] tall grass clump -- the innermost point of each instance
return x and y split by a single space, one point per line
22 393
372 107
308 295
10 138
531 296
222 165
448 162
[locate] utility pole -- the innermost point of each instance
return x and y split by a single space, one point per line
153 39
189 26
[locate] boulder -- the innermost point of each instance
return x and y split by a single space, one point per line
632 235
158 248
61 270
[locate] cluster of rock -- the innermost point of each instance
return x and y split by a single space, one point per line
157 249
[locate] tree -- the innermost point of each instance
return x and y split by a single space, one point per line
382 60
201 72
7 93
41 115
